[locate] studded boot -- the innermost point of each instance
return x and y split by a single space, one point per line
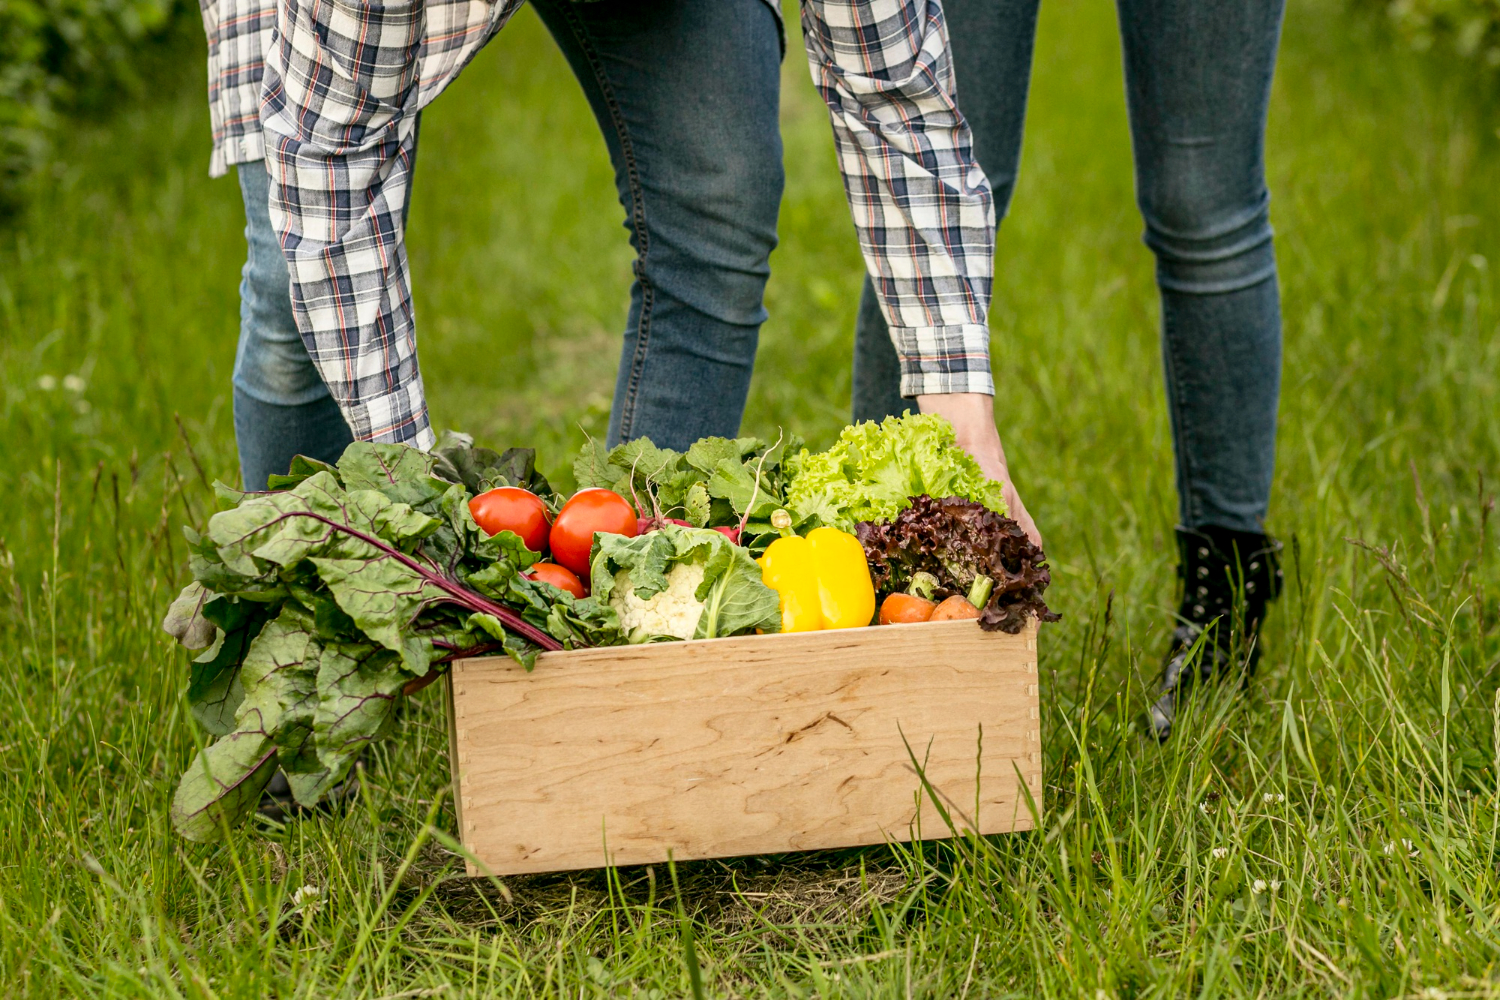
1228 577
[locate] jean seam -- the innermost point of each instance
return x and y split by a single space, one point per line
1182 439
637 213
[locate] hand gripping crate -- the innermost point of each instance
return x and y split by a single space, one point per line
749 745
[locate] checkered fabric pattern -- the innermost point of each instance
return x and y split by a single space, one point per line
921 205
344 81
239 33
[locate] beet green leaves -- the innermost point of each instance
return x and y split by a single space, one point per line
315 605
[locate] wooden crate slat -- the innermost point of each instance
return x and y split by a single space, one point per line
749 745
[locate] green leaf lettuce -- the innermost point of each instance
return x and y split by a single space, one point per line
873 470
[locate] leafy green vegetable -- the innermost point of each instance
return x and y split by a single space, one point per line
873 470
214 687
731 597
458 460
223 784
318 603
302 468
717 482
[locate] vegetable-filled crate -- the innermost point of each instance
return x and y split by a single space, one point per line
741 648
755 744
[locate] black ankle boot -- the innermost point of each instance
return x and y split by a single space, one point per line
1228 578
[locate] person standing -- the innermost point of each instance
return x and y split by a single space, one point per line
1197 85
317 104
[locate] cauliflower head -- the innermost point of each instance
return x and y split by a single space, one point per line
682 583
671 612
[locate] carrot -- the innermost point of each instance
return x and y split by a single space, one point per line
954 608
902 609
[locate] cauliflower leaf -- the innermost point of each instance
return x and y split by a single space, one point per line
654 583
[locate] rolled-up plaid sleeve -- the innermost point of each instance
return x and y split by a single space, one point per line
344 82
921 204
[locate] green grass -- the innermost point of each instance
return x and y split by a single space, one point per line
1373 722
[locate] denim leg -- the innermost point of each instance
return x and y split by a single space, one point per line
686 93
1198 79
281 406
992 44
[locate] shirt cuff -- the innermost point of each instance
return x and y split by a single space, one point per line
944 359
231 151
395 417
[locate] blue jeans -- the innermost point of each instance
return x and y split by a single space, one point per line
281 406
1197 81
686 94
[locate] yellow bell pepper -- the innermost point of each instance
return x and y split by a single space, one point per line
823 580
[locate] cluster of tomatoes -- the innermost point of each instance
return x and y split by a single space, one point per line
569 536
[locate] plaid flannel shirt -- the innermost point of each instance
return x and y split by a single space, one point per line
343 82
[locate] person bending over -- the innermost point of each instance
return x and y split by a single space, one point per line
686 95
341 95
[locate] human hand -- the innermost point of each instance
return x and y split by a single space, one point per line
972 415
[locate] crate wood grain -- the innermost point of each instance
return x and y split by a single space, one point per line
748 745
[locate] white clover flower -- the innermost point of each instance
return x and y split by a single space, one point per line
1389 848
1273 797
73 383
306 898
1259 886
1203 808
46 383
1276 885
1221 852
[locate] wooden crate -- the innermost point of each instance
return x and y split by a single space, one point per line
749 745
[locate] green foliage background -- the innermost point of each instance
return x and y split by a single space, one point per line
1471 28
1333 832
58 56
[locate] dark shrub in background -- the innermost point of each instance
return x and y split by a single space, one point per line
61 55
1470 28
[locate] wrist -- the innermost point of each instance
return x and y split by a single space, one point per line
972 415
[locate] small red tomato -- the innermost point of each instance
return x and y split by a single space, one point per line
559 576
588 512
510 508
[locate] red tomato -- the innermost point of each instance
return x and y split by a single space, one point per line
559 576
510 508
588 512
